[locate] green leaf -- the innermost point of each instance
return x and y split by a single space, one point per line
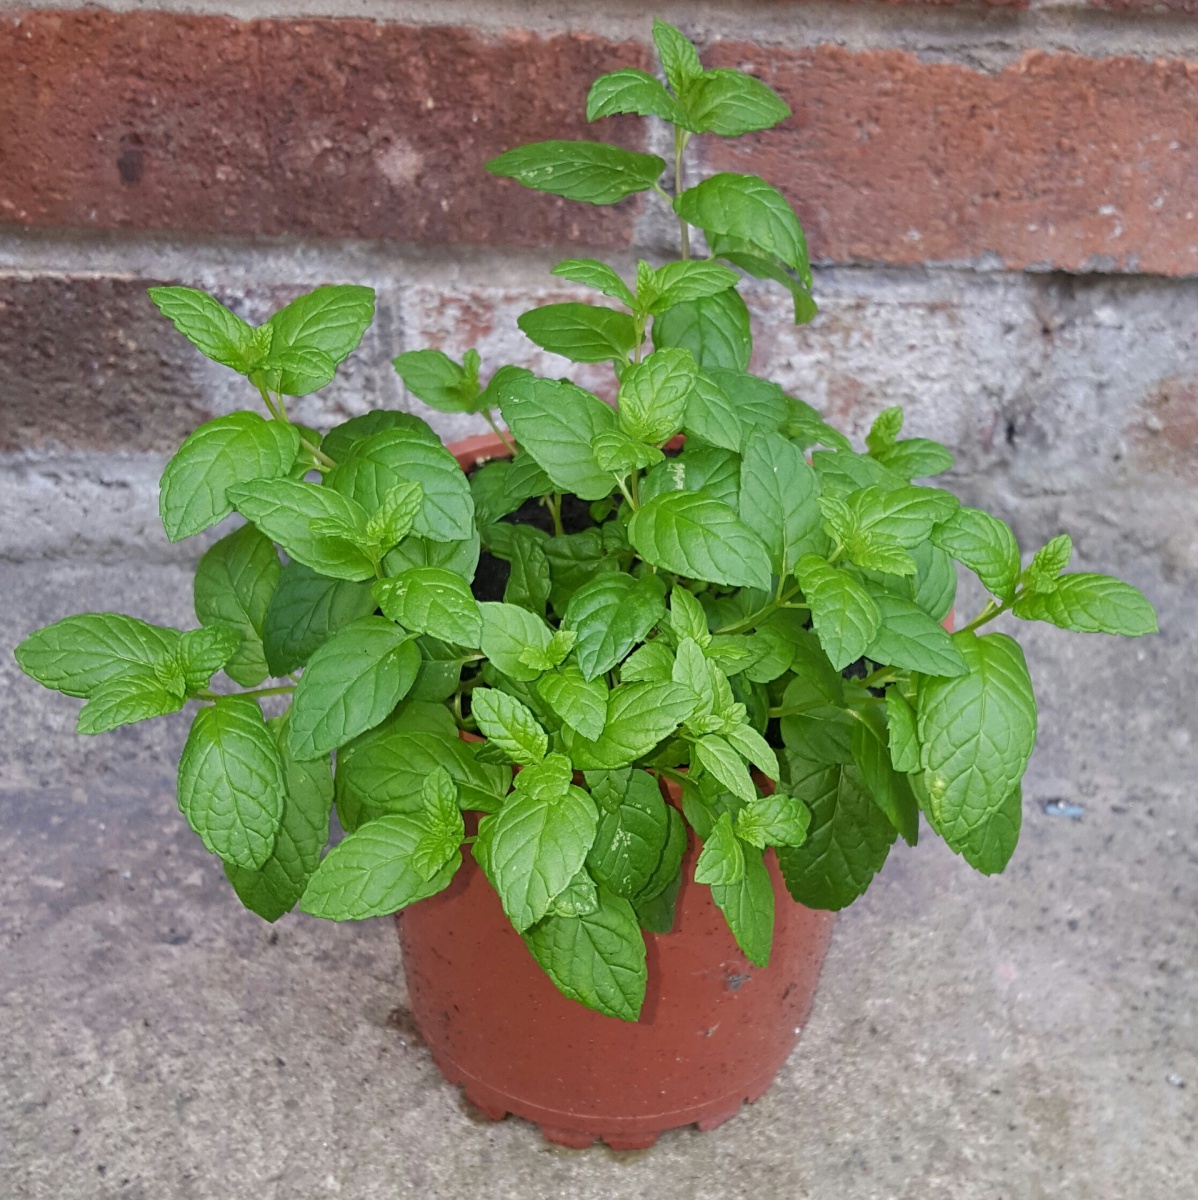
432 376
386 770
305 610
748 907
901 736
976 735
79 654
774 820
629 842
906 514
749 744
639 715
509 725
235 581
845 616
584 333
590 171
669 865
713 753
935 580
528 582
434 601
695 536
731 103
722 860
715 329
507 631
581 704
985 545
461 557
395 516
330 320
711 416
917 458
561 642
620 454
125 700
778 496
277 885
909 638
373 872
679 58
891 792
1048 563
557 424
578 900
748 208
883 433
1091 604
631 91
208 325
350 684
384 461
653 395
611 614
683 281
848 840
286 512
651 663
219 455
533 847
232 789
203 652
437 847
340 441
597 959
592 273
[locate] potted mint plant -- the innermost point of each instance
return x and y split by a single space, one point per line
598 700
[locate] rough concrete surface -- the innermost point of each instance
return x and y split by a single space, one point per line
1022 1037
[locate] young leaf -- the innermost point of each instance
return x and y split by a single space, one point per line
395 516
774 820
507 631
629 843
305 610
557 424
533 847
693 535
679 58
79 654
631 91
1091 604
208 325
731 103
374 872
595 274
287 511
848 840
351 684
976 734
891 791
748 208
611 614
597 959
653 395
580 703
274 888
510 725
220 454
1047 564
136 696
639 715
918 458
748 907
907 637
561 642
330 320
985 545
845 616
778 496
619 454
432 376
883 433
683 281
439 799
716 755
715 329
434 601
584 333
234 583
722 860
901 736
231 784
590 171
203 652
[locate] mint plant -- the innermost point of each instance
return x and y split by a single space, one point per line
705 585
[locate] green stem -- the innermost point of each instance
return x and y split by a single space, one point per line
208 694
627 494
988 614
279 412
752 619
554 501
681 137
503 437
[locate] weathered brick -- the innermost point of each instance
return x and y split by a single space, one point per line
339 128
1059 161
89 363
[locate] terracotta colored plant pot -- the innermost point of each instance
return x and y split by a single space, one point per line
713 1033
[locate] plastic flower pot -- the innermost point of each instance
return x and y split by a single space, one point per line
713 1033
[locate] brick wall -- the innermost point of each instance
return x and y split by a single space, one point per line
1001 201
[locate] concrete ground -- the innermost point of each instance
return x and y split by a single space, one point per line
1028 1036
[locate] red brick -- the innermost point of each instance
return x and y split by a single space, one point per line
1140 6
1059 161
339 128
